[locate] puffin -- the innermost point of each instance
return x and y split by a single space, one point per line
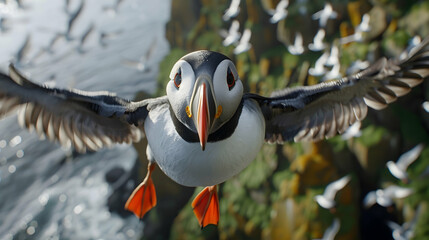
207 129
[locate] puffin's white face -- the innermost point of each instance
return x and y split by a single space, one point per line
204 92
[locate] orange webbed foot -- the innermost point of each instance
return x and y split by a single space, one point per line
206 206
143 197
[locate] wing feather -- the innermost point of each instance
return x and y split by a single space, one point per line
86 120
330 129
311 113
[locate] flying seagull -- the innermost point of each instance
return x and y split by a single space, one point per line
280 12
206 129
333 58
412 43
401 232
406 230
244 45
332 230
399 169
355 37
297 48
232 11
364 24
352 131
323 15
357 66
232 35
318 44
319 66
384 197
327 200
334 73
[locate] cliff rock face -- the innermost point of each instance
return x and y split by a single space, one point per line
273 197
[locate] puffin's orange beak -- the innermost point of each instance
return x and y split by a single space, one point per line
202 108
203 118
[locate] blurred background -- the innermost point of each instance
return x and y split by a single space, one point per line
129 47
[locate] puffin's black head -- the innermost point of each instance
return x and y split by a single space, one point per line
204 61
204 91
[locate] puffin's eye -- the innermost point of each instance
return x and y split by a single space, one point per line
230 79
178 79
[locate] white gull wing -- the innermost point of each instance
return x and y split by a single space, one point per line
409 157
370 199
334 73
324 202
86 120
332 188
357 66
352 131
332 231
384 197
396 171
400 232
323 15
319 66
233 35
280 11
364 24
399 169
311 113
245 38
333 56
232 11
244 44
282 5
327 200
394 191
317 44
297 48
413 42
406 230
394 226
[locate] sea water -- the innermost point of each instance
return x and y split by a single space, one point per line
49 192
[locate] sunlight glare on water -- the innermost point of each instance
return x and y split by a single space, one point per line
15 141
20 154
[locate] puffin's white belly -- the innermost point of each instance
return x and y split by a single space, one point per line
188 165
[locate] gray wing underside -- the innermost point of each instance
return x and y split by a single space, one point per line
312 113
84 120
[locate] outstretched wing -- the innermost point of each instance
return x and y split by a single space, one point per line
406 159
86 120
311 113
332 188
